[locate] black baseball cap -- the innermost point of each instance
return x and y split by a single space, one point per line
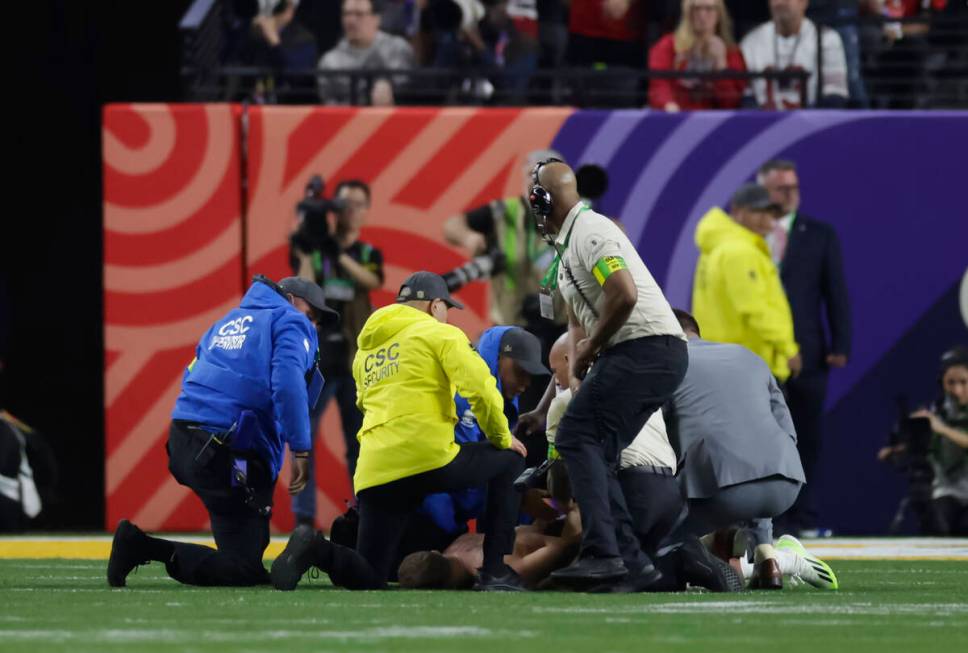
313 295
523 348
426 286
754 197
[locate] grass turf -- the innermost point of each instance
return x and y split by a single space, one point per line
65 605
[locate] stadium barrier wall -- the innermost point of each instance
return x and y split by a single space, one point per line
198 198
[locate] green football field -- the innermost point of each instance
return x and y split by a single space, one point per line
66 605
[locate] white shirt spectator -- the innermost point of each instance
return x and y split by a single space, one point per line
473 12
764 49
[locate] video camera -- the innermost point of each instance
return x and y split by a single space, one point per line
480 267
914 433
911 437
313 232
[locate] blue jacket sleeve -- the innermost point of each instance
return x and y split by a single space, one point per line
293 348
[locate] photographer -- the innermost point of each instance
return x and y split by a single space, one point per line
507 250
332 255
947 451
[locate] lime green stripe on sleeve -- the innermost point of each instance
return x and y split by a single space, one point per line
606 266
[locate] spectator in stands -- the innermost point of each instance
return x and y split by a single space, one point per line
508 48
843 15
807 252
364 47
552 31
903 51
737 295
789 43
703 42
607 34
279 42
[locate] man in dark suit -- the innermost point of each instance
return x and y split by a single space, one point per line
808 254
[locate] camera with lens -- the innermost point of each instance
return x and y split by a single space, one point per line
314 232
910 440
534 477
480 267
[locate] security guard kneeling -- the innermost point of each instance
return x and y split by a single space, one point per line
409 364
247 393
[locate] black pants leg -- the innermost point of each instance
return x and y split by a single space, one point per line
805 397
385 511
351 419
241 534
654 502
478 464
625 386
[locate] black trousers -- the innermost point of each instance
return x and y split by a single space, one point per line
805 396
627 383
241 533
386 510
655 502
949 516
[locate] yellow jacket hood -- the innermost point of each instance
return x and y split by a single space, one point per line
737 295
407 369
716 228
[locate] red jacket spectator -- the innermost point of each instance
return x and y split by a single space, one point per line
703 42
692 94
589 18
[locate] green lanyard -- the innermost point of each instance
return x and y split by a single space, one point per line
550 281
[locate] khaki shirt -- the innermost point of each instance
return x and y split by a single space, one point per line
590 238
650 447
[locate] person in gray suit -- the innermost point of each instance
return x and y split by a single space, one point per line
729 422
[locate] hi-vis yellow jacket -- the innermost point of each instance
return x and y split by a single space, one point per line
737 295
407 369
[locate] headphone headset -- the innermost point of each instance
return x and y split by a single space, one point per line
540 198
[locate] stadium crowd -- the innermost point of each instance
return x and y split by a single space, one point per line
863 54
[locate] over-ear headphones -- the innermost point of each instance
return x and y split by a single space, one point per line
540 198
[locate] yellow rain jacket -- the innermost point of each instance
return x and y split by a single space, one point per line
737 295
407 369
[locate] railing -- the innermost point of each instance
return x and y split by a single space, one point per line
925 71
579 87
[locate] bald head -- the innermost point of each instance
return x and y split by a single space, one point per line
558 360
559 180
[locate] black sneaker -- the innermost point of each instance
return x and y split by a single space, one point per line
505 581
127 552
643 580
295 559
588 570
698 566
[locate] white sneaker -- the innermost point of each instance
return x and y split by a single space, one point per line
805 566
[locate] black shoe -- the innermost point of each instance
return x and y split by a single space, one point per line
588 570
505 581
296 559
127 552
305 521
698 566
643 580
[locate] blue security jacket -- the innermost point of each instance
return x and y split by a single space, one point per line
450 511
255 358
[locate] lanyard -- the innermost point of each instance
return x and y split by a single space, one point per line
550 280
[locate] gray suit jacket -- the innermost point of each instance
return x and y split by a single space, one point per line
729 420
